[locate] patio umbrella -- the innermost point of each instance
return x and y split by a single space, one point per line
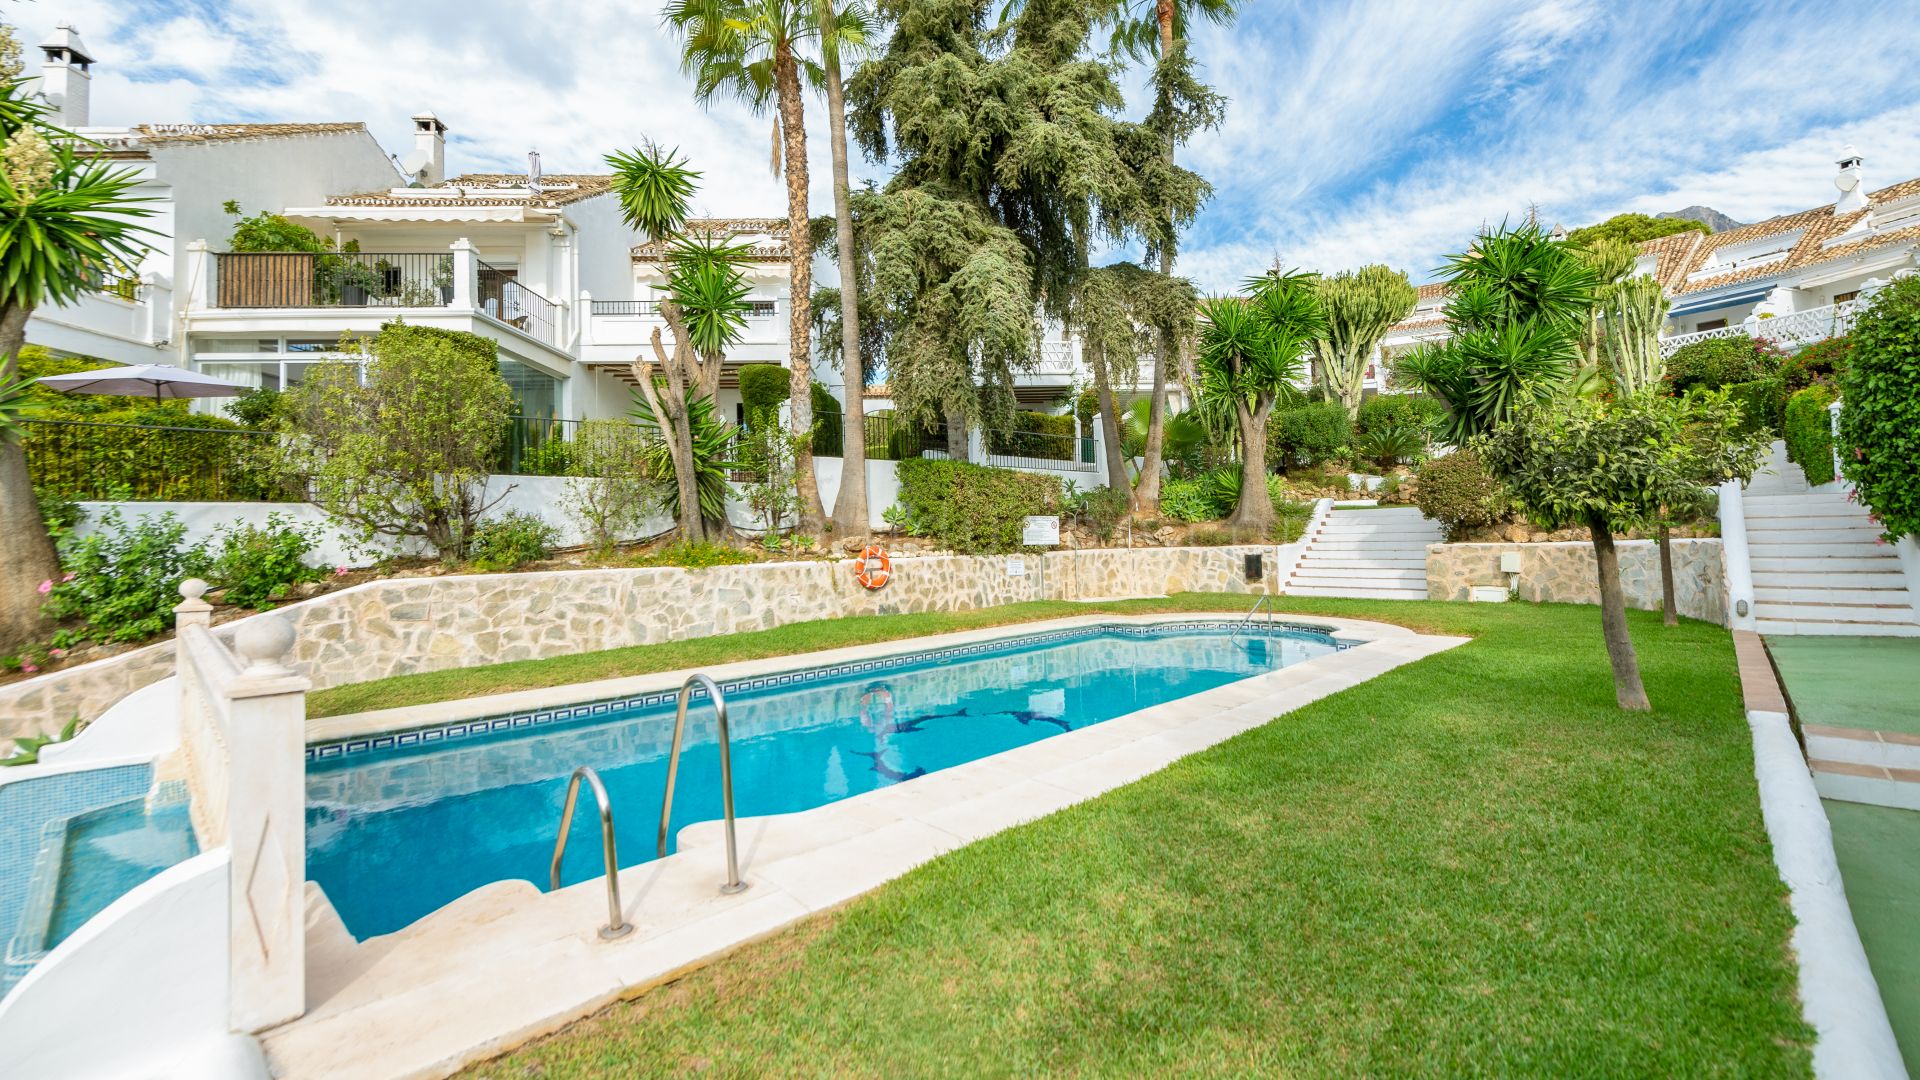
139 380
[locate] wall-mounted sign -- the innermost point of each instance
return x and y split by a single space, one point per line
1016 568
1040 532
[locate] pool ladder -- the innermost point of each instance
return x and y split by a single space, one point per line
1247 622
617 926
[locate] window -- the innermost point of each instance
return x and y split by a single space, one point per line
535 393
1711 324
1841 298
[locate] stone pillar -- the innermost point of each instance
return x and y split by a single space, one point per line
266 823
585 315
200 269
466 276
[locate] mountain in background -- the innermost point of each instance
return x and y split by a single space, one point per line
1706 215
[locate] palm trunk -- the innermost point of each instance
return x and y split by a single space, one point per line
1627 688
850 505
793 142
1146 496
1253 513
30 557
1109 428
1669 612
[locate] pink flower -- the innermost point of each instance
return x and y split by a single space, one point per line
67 578
46 587
29 668
57 653
339 571
1859 454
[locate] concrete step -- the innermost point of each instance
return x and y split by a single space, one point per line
1317 574
1356 593
1783 628
1408 543
1808 504
1805 594
1804 612
1806 549
1826 565
1410 530
1800 579
1325 559
1378 512
1813 525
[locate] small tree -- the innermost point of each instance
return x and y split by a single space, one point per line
770 452
611 491
407 454
1611 466
1251 354
1360 306
1880 409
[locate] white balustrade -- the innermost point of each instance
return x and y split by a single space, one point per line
1786 331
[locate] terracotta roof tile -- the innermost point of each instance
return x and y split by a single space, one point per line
201 133
488 189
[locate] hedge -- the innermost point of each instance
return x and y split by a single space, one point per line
1880 411
1035 435
1309 434
971 509
1808 432
1399 411
151 454
762 388
1763 403
1459 493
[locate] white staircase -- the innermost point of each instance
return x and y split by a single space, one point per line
1372 554
1818 565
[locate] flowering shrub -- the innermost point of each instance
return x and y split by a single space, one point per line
257 564
1880 408
510 540
122 581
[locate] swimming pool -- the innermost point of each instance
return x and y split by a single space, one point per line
400 825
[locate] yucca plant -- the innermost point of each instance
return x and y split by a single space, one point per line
1252 352
1388 446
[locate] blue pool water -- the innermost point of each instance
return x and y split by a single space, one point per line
393 834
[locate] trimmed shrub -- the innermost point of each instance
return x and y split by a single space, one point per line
971 509
257 564
1808 432
1458 492
763 387
1880 409
1763 404
1309 434
122 581
1418 411
1035 435
1718 362
1820 362
512 539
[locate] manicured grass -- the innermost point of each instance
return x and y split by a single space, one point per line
1879 852
1855 682
1473 865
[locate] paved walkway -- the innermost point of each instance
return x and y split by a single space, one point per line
1879 852
1852 682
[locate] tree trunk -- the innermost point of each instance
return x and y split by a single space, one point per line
1253 513
1669 612
957 435
30 558
1627 689
1110 428
850 512
1146 495
793 141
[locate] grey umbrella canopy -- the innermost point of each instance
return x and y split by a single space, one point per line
141 380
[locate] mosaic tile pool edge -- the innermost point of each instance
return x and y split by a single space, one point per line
335 749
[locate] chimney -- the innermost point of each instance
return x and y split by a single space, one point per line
64 76
426 166
1853 190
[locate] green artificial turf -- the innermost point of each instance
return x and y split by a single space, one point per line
1851 682
1879 852
1474 865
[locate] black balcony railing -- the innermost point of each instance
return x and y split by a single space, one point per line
278 279
888 437
504 298
756 309
146 462
1039 450
113 281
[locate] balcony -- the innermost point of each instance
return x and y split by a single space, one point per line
1789 332
616 331
341 291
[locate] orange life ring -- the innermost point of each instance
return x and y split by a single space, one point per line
870 575
876 695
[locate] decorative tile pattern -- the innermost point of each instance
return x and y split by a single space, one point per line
487 725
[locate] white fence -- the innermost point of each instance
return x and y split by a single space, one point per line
242 734
1793 331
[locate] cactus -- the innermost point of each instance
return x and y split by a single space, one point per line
1633 310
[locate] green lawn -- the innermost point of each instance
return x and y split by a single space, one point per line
1473 865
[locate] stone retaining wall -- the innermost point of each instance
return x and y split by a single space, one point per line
399 626
1564 573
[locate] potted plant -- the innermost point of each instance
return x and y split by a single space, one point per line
443 278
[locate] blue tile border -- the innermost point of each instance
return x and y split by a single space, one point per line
487 725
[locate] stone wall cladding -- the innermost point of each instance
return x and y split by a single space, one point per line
408 625
1564 573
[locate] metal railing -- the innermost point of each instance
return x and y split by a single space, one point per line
1247 622
113 281
281 279
756 309
733 883
617 925
888 437
80 460
502 297
1039 450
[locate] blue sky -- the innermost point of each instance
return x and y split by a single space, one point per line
1358 131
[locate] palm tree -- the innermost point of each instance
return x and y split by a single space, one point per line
842 31
705 307
62 215
1252 352
1159 29
748 49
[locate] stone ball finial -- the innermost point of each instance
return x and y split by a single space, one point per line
263 640
193 588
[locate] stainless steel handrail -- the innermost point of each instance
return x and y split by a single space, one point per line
733 884
1247 621
617 924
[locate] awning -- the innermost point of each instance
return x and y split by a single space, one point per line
1709 303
